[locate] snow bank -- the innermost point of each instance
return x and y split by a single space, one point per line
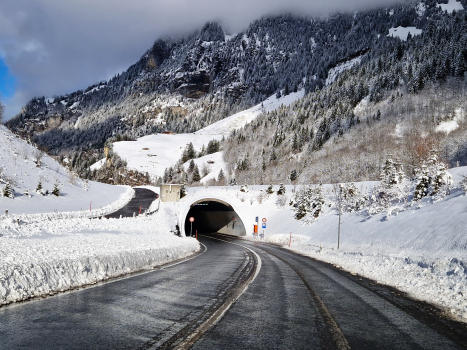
112 207
39 258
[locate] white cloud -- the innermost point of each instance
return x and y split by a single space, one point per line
56 47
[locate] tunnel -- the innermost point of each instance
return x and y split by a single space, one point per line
213 216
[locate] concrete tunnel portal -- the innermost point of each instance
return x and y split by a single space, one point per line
213 216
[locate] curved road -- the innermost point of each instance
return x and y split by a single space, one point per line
293 302
143 198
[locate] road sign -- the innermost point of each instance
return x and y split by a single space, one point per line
264 225
192 219
257 218
264 220
233 219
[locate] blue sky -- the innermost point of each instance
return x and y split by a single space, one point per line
7 81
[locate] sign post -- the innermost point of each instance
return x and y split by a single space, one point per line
263 226
191 228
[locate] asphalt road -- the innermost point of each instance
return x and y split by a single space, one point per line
156 309
293 303
300 303
143 198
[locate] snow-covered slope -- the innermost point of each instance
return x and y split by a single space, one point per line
23 166
155 153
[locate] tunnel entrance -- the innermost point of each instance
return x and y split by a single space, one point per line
212 216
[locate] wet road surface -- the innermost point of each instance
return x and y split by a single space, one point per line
143 198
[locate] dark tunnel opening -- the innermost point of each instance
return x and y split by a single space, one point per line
212 216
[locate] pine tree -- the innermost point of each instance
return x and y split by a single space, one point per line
196 176
191 166
293 175
56 189
8 191
270 189
281 189
39 187
433 179
221 175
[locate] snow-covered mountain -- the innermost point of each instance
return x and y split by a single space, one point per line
183 85
33 176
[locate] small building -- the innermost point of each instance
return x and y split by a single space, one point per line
170 192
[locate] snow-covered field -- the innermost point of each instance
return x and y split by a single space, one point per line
155 153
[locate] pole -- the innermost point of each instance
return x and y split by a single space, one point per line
90 206
140 209
290 240
339 228
196 234
191 229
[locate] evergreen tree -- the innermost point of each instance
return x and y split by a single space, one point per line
281 190
8 191
270 189
196 176
191 166
56 189
221 175
433 179
293 175
39 187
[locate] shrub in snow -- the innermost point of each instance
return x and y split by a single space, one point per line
86 185
56 189
233 182
463 184
351 199
270 189
394 187
309 202
244 188
8 191
39 188
294 175
433 179
281 190
281 201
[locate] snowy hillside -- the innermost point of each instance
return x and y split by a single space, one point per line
24 167
155 153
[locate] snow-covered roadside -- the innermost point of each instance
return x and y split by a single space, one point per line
6 219
421 251
44 257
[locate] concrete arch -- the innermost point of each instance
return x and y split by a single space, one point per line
187 206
